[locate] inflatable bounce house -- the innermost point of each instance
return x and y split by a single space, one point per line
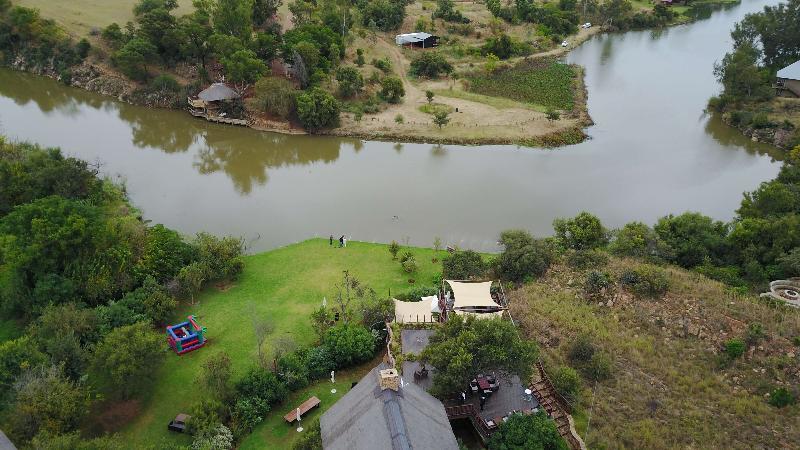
186 336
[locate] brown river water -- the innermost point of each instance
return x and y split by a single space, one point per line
652 151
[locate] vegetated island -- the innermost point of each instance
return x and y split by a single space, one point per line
330 68
760 77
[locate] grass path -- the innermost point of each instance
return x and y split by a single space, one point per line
284 286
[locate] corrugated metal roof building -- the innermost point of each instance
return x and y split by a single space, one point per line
419 39
788 80
373 415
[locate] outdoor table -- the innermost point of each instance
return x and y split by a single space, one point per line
483 383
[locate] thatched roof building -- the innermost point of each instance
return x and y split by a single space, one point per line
217 92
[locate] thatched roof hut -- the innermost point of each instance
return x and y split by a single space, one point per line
217 92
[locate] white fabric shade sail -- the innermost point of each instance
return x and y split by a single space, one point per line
411 312
472 295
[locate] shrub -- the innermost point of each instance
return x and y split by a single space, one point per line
216 438
781 397
386 15
317 109
598 368
523 256
399 119
349 344
755 333
552 114
383 64
582 232
127 358
293 371
430 64
410 265
536 431
206 415
567 382
639 240
647 281
320 362
463 265
694 238
246 414
417 292
597 283
504 47
311 439
394 247
441 118
275 96
392 89
360 57
584 259
790 263
429 95
582 350
734 348
262 384
221 257
165 83
405 256
350 81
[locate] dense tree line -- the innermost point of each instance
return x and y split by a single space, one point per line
91 281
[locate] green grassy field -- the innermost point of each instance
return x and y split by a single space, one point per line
80 16
283 286
541 82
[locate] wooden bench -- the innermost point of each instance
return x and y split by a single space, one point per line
305 407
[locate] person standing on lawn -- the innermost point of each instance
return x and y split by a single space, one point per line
341 241
330 241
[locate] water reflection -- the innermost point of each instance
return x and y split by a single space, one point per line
652 152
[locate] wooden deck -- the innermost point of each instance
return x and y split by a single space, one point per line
218 119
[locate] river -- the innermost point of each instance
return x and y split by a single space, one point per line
652 151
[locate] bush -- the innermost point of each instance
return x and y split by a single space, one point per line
430 64
221 257
582 350
734 348
360 57
217 438
583 232
417 292
311 439
755 333
781 397
463 265
206 415
275 96
317 109
584 259
383 64
165 83
536 431
260 383
598 369
293 370
694 238
386 15
789 263
394 247
128 357
392 89
552 114
504 47
523 256
350 81
349 344
597 283
320 362
647 281
246 414
638 240
409 265
567 382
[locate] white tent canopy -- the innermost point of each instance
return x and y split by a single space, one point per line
472 295
412 312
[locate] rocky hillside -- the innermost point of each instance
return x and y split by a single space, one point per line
694 367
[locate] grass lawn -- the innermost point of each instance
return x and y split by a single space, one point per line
80 16
284 286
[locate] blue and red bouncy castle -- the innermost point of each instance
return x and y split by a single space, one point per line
186 336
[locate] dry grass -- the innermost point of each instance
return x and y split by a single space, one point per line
669 389
80 16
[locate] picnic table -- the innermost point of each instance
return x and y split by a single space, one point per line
483 383
305 407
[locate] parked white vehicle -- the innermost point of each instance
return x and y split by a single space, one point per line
565 44
586 25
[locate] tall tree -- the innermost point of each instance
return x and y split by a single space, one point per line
125 360
234 18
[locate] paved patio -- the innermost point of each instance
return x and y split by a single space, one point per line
414 341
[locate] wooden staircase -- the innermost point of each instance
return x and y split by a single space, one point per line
556 406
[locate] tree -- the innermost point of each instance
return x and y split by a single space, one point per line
196 30
163 255
263 10
694 238
463 265
46 401
386 15
462 348
127 359
16 356
394 247
317 109
243 69
234 18
360 57
216 376
191 278
133 57
616 10
528 432
775 31
392 89
441 118
430 64
740 76
349 344
429 96
275 96
259 383
637 239
567 382
350 81
220 257
523 256
582 232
